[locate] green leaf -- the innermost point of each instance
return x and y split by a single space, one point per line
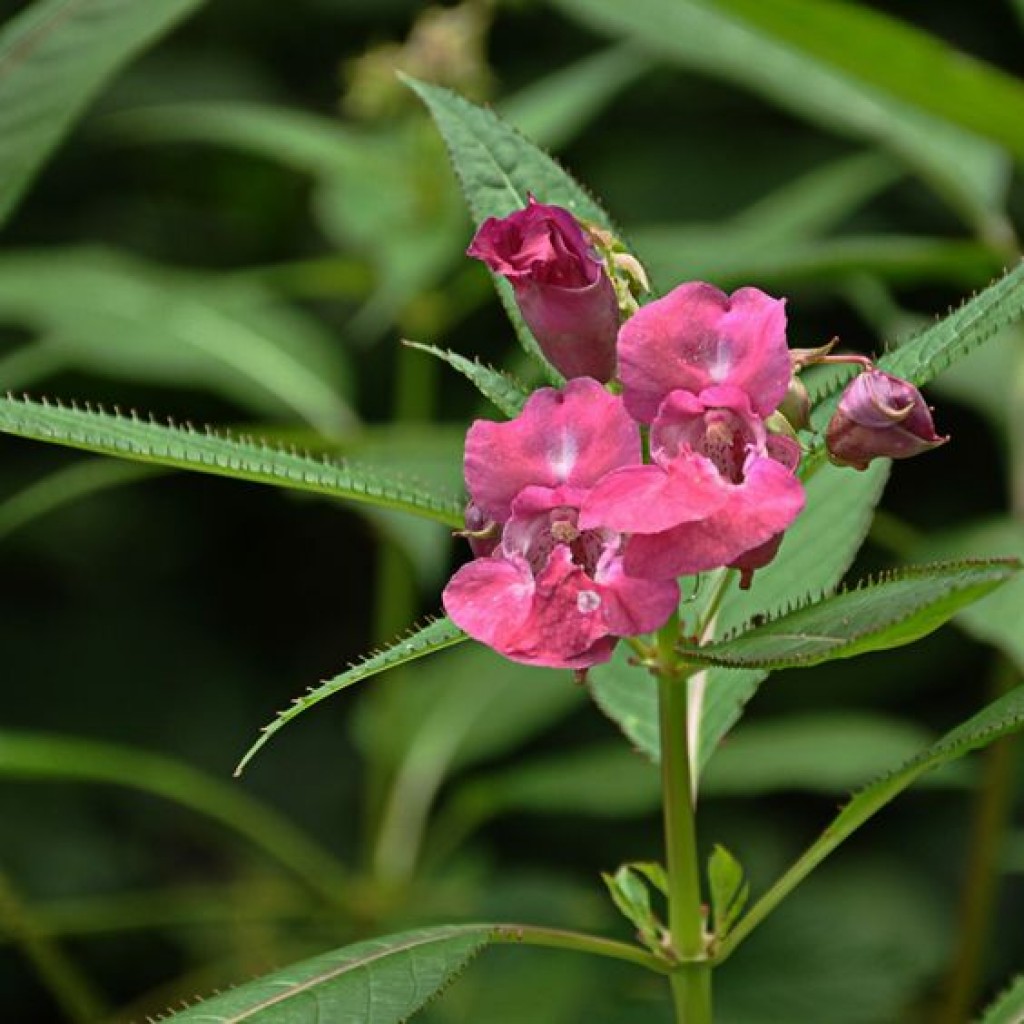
463 706
901 60
731 259
105 313
823 753
995 619
498 170
54 58
1008 1008
42 757
999 718
382 981
504 391
128 437
926 355
897 609
729 890
632 898
704 37
435 636
975 322
826 752
818 549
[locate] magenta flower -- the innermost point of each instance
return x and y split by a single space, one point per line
552 592
720 493
880 416
561 286
698 337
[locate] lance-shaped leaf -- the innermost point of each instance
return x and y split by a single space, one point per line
504 391
54 57
926 355
498 169
435 636
129 437
894 610
1001 717
382 981
967 170
45 757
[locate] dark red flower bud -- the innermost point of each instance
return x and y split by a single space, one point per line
563 290
880 416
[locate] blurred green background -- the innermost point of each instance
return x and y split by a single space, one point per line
239 232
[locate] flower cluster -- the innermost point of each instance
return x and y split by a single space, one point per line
578 541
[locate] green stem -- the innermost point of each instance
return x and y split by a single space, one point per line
71 990
556 938
992 814
691 980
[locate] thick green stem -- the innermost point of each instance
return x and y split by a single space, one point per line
691 981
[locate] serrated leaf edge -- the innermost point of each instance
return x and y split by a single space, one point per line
371 664
705 654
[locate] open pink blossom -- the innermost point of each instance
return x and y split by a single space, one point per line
551 593
561 286
698 337
880 416
721 490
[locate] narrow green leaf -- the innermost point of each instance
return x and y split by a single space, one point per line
1008 1008
54 58
923 357
729 890
435 636
824 753
975 322
632 899
128 437
504 391
897 609
498 169
903 61
995 619
1003 716
103 312
42 757
731 258
553 110
970 171
382 981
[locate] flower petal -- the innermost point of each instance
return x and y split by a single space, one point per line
696 337
633 606
649 499
763 505
571 436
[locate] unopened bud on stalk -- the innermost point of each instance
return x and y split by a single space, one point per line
880 416
561 286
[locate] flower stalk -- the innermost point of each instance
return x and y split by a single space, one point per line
691 980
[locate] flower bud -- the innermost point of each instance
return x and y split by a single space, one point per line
880 416
563 290
796 406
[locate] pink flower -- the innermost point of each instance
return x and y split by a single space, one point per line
880 416
552 592
562 288
720 493
697 337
